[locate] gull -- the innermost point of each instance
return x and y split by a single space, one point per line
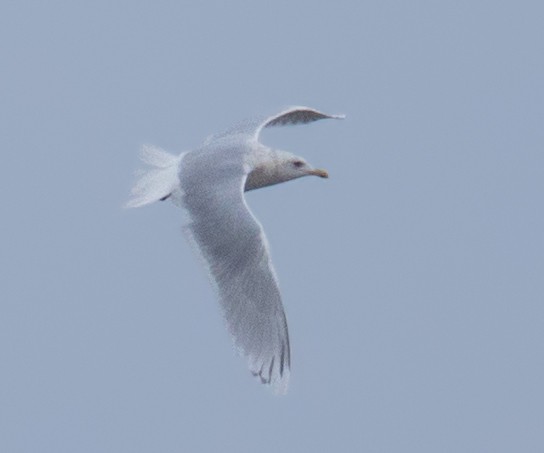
209 183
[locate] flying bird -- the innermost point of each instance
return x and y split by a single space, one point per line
209 183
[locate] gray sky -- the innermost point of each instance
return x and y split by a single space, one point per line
412 278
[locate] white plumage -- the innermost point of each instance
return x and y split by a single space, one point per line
209 183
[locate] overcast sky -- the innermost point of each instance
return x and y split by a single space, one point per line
412 278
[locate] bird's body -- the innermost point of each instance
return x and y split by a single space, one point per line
209 183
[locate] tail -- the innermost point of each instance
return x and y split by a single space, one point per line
158 182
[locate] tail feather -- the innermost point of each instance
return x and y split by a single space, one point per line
158 182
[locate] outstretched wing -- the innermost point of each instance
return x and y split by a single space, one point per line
296 115
235 251
291 116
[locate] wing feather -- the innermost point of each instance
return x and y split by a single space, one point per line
235 251
291 116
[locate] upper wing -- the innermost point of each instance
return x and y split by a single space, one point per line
235 251
296 115
291 116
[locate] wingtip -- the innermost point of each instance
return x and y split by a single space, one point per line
277 383
339 116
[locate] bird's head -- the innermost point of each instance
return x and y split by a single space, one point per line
292 167
280 166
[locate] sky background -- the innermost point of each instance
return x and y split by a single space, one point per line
413 279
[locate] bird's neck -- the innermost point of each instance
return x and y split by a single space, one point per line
262 176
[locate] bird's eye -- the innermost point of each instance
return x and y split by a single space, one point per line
298 163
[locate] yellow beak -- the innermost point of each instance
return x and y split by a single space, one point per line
318 172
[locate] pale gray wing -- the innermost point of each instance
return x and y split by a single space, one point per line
291 116
296 115
235 251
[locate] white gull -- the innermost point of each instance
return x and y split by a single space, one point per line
209 183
